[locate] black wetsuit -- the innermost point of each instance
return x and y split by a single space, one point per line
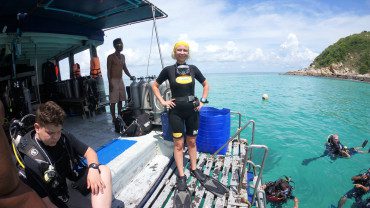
182 85
357 193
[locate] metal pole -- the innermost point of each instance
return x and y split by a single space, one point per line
156 35
37 76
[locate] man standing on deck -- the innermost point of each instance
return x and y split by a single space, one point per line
115 64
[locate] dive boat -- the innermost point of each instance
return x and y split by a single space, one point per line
36 35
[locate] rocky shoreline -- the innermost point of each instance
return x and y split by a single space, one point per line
333 71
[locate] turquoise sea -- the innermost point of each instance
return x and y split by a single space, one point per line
295 122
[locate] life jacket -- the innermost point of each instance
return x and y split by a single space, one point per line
275 191
76 70
95 71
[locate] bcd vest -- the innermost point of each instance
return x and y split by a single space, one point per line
52 181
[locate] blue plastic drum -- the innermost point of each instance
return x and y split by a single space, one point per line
166 128
214 129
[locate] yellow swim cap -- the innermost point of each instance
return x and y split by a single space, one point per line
180 43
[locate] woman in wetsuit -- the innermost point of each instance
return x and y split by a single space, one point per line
183 107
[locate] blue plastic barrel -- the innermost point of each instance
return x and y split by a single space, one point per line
166 128
214 129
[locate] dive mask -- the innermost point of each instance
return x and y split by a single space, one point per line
183 70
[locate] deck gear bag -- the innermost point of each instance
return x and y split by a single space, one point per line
129 125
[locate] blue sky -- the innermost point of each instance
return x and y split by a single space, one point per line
239 35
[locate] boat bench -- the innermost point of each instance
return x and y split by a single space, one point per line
226 168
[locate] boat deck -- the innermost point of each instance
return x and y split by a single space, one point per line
226 169
144 175
94 131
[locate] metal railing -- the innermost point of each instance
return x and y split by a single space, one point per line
248 159
259 178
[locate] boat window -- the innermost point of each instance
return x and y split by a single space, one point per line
83 58
64 69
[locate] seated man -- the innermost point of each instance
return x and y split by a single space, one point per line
52 155
280 191
361 187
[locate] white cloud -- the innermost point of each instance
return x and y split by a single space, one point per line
212 48
286 35
257 55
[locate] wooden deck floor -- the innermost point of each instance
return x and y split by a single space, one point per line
226 169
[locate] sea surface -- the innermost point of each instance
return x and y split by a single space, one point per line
295 122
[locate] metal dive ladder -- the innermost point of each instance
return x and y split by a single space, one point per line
251 176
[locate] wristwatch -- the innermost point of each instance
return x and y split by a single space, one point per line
94 166
204 100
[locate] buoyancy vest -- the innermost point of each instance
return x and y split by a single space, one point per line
51 180
276 193
95 71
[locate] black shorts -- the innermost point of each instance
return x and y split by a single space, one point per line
184 113
81 184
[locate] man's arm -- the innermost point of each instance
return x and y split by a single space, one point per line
48 202
125 68
13 192
94 181
296 201
364 188
109 67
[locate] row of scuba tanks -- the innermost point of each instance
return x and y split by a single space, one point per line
143 99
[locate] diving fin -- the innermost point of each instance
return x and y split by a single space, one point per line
182 196
210 184
182 199
364 143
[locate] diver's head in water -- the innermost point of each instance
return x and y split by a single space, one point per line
334 138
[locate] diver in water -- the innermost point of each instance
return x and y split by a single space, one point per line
361 187
336 148
280 191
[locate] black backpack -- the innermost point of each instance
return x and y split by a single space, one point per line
130 125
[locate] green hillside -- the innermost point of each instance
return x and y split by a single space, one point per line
353 51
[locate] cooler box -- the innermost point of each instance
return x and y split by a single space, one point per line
214 129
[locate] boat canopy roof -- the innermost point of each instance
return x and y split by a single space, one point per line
54 28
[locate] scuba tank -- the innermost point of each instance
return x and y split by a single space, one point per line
27 98
157 107
145 96
141 84
135 99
